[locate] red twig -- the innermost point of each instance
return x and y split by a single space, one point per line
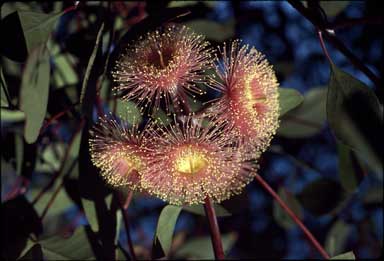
320 35
17 188
14 190
51 200
57 190
208 206
128 199
214 228
352 58
307 233
141 15
57 116
68 9
178 16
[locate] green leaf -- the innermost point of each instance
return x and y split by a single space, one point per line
90 63
307 119
213 30
119 218
4 89
76 247
10 7
74 172
178 3
194 105
37 27
75 148
91 214
166 225
173 4
30 244
128 111
35 253
201 247
64 74
12 115
337 237
31 252
347 173
346 256
62 201
333 8
161 117
199 210
289 99
34 92
355 116
279 214
90 211
10 67
51 155
210 4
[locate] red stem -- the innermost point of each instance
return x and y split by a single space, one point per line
51 200
214 229
57 116
56 192
128 200
307 233
17 188
71 7
208 206
320 35
140 16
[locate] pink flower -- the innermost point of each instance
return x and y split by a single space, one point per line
249 100
190 162
163 65
117 151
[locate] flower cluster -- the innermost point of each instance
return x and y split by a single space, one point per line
117 151
188 161
212 154
165 64
249 95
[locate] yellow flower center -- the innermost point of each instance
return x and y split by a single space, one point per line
190 161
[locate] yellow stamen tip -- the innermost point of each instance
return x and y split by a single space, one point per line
190 161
